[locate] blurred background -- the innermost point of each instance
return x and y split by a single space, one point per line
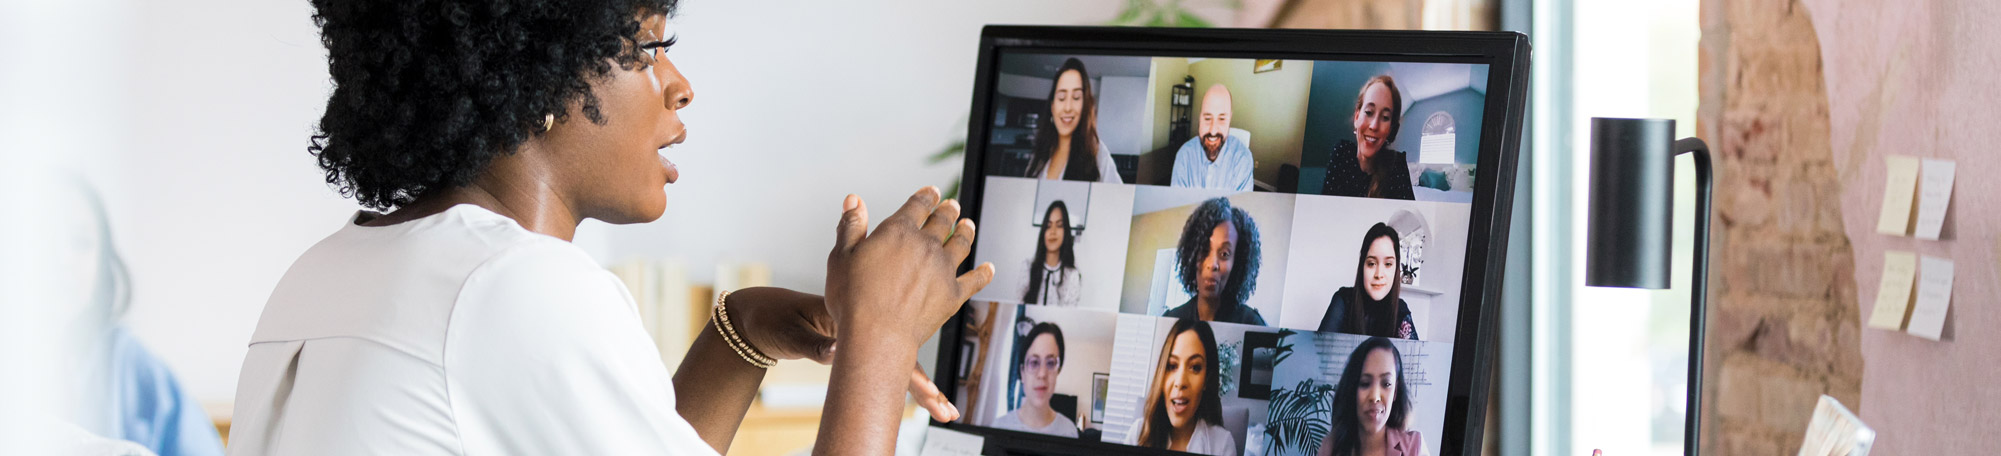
191 119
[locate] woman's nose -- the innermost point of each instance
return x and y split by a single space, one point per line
680 93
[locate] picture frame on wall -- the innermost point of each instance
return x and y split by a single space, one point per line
1260 356
1100 383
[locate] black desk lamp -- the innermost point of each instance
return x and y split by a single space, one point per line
1630 243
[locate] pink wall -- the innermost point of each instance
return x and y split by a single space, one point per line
1923 78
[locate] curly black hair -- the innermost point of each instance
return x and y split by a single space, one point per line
1194 248
428 92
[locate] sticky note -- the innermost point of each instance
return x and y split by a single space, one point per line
1934 293
1934 191
1898 189
1893 297
940 441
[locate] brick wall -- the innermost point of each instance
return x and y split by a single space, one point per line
1784 325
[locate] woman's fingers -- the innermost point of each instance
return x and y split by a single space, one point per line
939 226
854 224
972 281
914 211
927 395
961 242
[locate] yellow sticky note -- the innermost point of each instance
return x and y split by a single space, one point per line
1893 298
1899 189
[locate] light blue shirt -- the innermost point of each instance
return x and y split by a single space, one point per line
1231 170
152 409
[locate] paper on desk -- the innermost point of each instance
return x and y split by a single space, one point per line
1934 294
939 441
1835 431
1898 189
1893 297
1934 191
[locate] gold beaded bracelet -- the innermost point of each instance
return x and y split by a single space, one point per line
728 331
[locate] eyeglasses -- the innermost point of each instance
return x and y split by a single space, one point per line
1038 364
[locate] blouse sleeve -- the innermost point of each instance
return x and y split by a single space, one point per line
1108 169
1406 328
1071 294
545 354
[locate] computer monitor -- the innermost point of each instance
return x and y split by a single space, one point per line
1234 242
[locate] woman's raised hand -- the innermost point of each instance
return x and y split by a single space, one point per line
900 282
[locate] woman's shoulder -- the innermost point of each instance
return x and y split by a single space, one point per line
1410 440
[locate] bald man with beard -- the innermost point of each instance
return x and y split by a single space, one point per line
1213 158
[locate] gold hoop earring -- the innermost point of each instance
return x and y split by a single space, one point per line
548 122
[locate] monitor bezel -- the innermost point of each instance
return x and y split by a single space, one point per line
1506 53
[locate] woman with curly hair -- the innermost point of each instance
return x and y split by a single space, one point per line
1218 258
460 319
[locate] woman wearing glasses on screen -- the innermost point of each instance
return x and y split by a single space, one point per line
1371 405
1183 410
1366 166
1052 277
461 319
1374 306
1041 361
1066 138
1218 258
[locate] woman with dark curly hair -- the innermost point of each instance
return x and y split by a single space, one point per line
461 320
1218 256
1371 405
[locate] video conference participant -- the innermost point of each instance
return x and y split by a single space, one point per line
1366 166
1371 405
1218 255
1184 411
1041 361
1053 278
1213 158
1374 306
1066 139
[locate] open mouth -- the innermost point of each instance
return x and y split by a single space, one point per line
1178 406
1372 141
673 173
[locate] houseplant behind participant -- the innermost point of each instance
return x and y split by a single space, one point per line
463 321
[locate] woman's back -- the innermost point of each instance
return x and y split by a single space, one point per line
459 332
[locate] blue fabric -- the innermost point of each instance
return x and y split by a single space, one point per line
1231 170
152 410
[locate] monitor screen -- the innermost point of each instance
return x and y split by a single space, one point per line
1222 255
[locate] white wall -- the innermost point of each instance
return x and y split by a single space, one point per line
200 115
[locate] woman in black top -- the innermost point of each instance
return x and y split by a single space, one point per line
1366 166
1374 306
1218 255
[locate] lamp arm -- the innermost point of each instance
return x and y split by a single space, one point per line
1698 289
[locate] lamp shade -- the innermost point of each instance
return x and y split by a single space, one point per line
1631 224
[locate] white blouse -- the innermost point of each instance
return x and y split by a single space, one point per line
457 333
1061 287
1208 439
